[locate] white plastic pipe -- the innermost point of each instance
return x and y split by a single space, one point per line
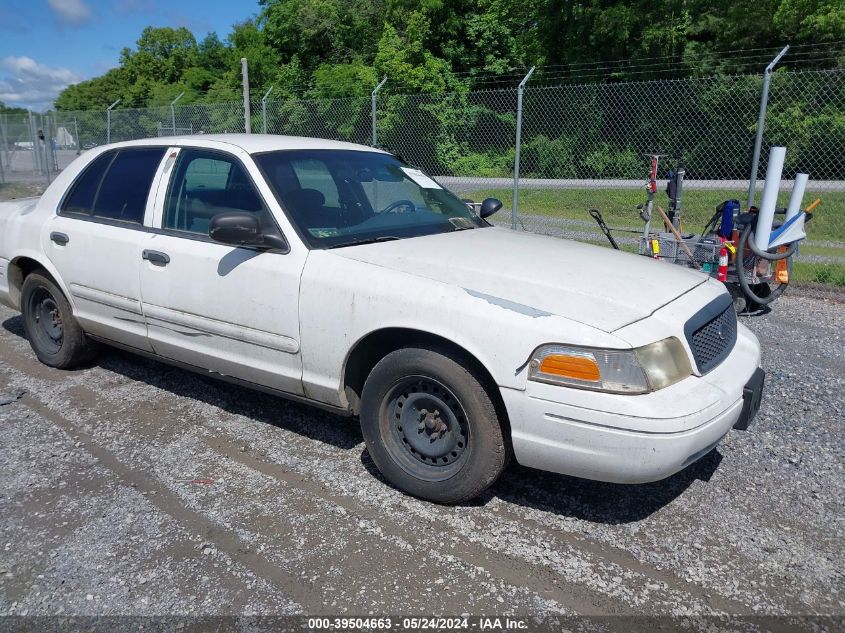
797 196
771 188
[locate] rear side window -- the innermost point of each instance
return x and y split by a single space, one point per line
126 185
81 198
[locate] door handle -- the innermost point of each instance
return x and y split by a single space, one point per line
59 238
156 257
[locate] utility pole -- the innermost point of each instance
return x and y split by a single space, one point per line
761 123
247 116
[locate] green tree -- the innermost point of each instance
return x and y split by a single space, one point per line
96 93
4 109
162 54
339 48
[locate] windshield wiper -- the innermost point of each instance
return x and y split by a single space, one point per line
369 240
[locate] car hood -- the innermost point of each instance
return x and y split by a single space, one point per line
537 275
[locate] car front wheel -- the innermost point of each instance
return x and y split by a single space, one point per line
431 427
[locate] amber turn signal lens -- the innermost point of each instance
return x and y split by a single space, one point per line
577 367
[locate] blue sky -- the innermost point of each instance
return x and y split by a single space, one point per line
46 45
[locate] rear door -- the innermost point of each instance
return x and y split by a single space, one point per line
233 311
96 239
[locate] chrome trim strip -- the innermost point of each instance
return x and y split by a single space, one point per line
108 299
216 327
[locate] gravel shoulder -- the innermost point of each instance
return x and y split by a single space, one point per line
133 488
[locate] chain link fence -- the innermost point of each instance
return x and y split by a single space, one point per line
339 119
583 146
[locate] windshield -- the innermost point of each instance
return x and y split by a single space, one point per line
340 198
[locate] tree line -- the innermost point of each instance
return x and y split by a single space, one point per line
588 115
340 48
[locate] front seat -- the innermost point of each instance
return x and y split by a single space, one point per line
307 206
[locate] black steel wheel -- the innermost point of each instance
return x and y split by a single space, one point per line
431 426
49 327
428 433
53 332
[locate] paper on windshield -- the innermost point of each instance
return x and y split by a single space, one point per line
420 178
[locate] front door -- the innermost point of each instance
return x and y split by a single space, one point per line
233 311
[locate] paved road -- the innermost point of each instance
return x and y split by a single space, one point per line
99 515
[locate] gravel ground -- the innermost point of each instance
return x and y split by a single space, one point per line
134 488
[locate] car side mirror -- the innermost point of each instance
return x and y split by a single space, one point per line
489 207
239 228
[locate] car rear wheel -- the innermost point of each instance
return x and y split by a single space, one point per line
53 332
431 427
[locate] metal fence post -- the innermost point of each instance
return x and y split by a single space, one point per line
37 133
173 111
78 140
761 123
373 108
108 121
264 110
247 115
4 149
48 146
519 92
36 166
5 140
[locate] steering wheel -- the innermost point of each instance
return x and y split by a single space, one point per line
391 208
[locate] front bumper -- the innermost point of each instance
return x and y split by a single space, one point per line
631 439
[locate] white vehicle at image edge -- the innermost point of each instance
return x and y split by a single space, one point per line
338 275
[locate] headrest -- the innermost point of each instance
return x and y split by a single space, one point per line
304 199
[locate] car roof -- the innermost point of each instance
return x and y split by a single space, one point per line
251 143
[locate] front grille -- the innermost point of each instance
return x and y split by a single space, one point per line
711 338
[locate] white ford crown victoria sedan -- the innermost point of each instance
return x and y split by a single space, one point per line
338 275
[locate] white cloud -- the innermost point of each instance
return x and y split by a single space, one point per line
71 11
26 83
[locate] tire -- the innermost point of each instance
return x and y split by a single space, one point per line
737 297
431 426
54 334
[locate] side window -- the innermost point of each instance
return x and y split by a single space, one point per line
207 173
126 185
204 184
81 198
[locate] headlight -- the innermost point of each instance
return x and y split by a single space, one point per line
664 362
633 371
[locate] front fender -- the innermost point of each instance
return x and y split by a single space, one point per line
342 301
